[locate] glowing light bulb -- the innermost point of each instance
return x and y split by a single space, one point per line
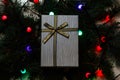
103 39
4 17
98 48
87 75
99 73
80 6
28 48
36 1
51 13
107 19
29 29
23 71
80 33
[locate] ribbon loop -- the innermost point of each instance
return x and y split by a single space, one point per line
49 26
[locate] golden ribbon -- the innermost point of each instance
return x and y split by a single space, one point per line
53 32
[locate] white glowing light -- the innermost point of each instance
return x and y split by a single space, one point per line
51 13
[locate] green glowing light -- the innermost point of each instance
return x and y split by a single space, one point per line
80 33
23 71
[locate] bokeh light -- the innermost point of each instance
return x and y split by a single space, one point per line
51 13
98 48
87 75
28 48
103 39
80 6
29 29
23 71
36 1
4 17
80 33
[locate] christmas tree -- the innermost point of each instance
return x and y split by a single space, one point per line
20 37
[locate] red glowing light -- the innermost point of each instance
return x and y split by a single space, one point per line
36 1
99 73
87 74
98 48
103 38
4 17
29 29
107 18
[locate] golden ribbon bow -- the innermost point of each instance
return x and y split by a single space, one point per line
53 32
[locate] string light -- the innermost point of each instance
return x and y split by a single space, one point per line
107 18
99 73
4 17
103 39
80 6
36 1
23 71
29 29
87 75
28 48
80 33
98 48
51 13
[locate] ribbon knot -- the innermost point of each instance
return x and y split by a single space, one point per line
54 30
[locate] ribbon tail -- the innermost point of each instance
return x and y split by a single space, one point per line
48 36
63 34
48 26
62 26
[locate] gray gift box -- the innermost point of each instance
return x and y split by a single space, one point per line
59 42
